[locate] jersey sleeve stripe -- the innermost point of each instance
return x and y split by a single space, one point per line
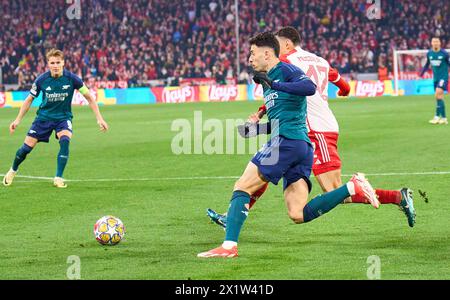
338 78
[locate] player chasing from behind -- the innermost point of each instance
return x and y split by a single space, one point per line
323 127
440 62
288 154
54 114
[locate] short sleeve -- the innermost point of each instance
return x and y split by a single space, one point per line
77 82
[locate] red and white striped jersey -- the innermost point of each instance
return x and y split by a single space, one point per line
319 116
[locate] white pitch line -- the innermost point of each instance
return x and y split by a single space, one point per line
214 177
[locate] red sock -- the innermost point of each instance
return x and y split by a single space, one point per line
257 194
358 199
389 196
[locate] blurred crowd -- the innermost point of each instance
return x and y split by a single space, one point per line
142 40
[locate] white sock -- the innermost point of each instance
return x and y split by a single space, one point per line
351 188
229 244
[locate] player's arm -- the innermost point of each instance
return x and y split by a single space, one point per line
297 83
256 117
252 127
425 68
34 93
79 85
22 112
335 78
94 106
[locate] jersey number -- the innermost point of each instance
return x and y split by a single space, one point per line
319 75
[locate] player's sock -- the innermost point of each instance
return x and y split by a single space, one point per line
441 105
21 154
63 155
438 109
237 213
256 195
388 196
324 203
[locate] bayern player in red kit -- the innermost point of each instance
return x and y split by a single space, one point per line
323 127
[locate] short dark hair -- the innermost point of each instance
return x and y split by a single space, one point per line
436 37
266 39
290 33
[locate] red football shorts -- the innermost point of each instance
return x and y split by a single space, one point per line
326 157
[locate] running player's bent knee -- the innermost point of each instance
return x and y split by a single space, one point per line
296 216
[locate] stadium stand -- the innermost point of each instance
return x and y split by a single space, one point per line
142 40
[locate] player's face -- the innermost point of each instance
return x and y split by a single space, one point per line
436 44
258 58
284 45
56 65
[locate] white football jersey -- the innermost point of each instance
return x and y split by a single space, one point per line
319 116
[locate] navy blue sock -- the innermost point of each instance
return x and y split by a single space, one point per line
324 203
63 155
21 154
237 214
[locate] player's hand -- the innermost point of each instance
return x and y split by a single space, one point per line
13 126
254 118
262 78
103 125
248 130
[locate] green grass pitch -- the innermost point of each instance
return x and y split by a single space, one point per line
166 221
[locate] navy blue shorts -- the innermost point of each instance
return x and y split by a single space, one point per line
285 158
42 130
443 84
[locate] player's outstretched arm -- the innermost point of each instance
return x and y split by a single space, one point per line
22 112
297 83
335 78
94 106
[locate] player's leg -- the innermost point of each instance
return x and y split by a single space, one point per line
250 181
440 106
442 85
327 163
221 219
330 180
297 187
21 155
301 212
39 131
296 198
256 195
64 135
269 164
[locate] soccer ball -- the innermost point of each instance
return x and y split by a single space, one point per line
109 230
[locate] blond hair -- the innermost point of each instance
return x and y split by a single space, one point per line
55 53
